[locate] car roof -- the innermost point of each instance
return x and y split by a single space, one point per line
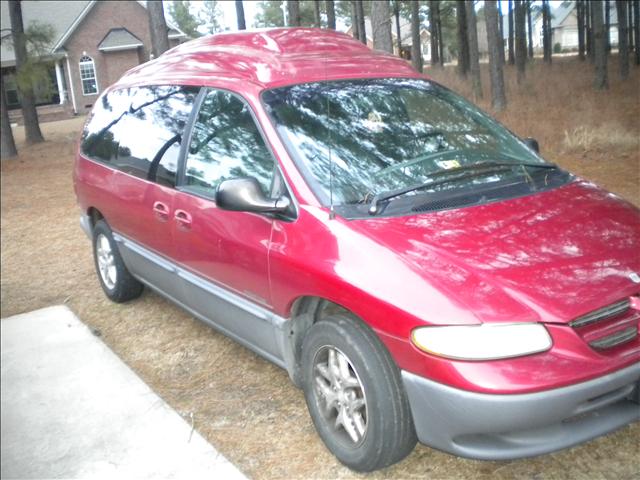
268 58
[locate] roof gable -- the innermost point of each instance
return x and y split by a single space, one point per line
561 13
119 39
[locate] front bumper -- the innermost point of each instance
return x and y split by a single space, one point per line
501 427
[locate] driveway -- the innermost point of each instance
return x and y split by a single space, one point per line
72 409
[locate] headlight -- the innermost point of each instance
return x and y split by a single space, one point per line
483 342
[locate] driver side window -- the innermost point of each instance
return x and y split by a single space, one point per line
226 144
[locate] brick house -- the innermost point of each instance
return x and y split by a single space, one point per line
94 43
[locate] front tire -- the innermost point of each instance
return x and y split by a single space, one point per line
355 396
116 281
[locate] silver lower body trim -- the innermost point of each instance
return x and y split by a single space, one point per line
251 325
504 427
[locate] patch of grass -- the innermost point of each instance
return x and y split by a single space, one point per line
605 137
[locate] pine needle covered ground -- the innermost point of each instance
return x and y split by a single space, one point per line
245 406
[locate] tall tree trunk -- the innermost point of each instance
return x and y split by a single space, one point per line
317 22
623 47
29 113
636 30
7 144
630 26
331 14
440 38
293 8
550 30
591 32
607 25
381 26
362 30
416 50
494 42
355 24
521 39
157 28
600 82
529 29
433 31
242 25
463 42
501 30
580 12
474 57
546 31
510 42
396 14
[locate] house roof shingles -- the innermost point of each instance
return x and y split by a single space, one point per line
60 15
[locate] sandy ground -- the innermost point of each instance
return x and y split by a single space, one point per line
244 405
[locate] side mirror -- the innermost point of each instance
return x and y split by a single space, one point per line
245 195
532 143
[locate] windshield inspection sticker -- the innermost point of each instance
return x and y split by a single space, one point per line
374 122
448 164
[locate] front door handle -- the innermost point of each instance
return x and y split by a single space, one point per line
183 219
161 211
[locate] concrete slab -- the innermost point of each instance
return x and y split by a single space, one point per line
70 408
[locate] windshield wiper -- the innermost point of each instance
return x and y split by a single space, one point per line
465 172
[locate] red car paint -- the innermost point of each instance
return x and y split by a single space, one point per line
548 257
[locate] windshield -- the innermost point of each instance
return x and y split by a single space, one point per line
359 138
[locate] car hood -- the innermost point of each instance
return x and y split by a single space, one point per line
554 255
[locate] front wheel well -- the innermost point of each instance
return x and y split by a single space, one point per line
94 215
305 312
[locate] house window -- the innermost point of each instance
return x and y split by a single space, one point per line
88 76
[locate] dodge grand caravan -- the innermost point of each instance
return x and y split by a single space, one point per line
419 271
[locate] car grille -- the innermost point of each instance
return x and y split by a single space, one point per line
612 327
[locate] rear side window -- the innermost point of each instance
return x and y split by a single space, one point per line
139 130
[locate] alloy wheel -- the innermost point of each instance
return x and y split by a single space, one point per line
106 261
340 395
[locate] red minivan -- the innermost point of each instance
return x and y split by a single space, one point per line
420 271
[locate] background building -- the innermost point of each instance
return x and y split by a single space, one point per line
94 43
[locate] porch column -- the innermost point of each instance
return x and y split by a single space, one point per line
73 95
59 80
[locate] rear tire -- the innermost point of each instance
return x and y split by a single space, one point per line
116 281
355 396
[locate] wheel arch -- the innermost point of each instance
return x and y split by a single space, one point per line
94 215
305 312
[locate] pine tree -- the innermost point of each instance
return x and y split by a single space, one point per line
494 42
331 14
600 47
381 26
474 57
416 50
293 8
242 25
521 39
7 144
463 41
29 112
623 46
180 11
